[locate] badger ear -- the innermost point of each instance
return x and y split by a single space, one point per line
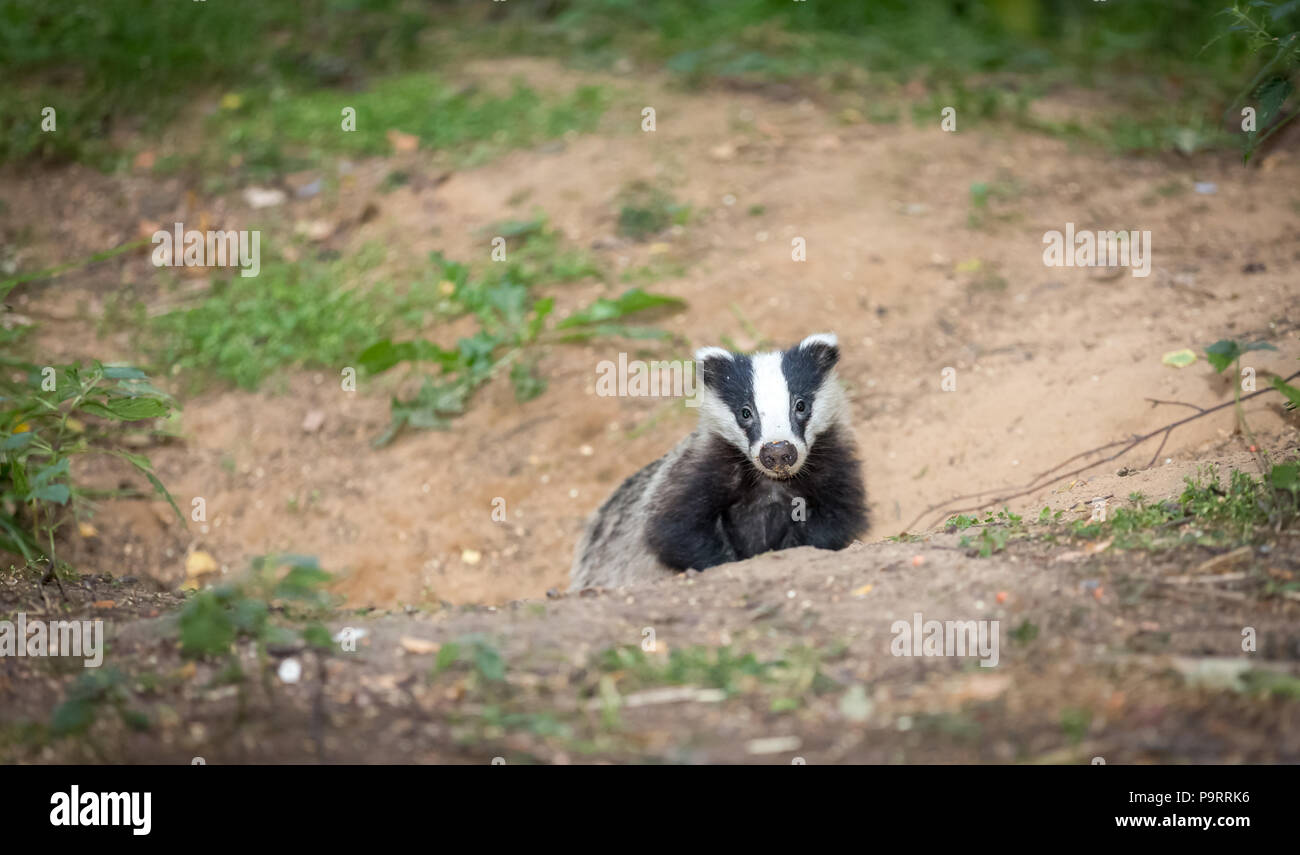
824 348
712 364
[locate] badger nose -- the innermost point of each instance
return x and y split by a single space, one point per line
778 455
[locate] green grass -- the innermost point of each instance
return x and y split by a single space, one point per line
271 131
311 314
536 254
1164 59
339 314
645 210
786 680
1211 511
513 323
321 314
781 38
137 64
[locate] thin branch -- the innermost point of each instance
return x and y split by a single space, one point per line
1157 401
1156 456
1038 481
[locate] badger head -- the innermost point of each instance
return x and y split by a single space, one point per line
772 406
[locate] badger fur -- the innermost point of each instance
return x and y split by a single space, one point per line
770 466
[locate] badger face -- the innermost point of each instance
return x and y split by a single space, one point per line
772 406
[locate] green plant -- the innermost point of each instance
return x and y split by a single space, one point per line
982 193
49 416
1226 352
93 691
266 608
537 255
996 532
1208 511
477 653
645 210
293 314
141 63
271 132
1263 25
787 678
1245 503
512 324
1025 632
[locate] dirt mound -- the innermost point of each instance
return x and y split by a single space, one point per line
789 657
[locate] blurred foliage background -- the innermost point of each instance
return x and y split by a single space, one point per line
133 65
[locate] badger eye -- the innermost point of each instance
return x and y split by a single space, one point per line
746 414
800 406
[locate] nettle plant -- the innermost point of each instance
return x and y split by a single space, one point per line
280 603
513 324
49 415
1265 26
1280 487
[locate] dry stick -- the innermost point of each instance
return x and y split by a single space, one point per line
1176 403
1038 483
1037 478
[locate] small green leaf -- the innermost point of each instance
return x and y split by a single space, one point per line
56 493
16 441
488 662
127 409
1291 393
541 309
1222 353
17 541
318 636
135 720
249 616
528 385
124 372
383 355
142 463
206 627
631 301
1272 95
614 331
302 582
72 716
1286 476
448 655
518 228
55 470
1179 358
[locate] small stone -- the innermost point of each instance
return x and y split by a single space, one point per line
290 671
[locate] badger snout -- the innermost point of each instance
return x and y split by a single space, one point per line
778 456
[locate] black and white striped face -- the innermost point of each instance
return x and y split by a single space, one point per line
772 406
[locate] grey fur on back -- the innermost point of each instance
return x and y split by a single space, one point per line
613 551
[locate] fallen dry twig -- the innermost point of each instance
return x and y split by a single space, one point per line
1042 480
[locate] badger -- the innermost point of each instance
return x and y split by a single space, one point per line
771 465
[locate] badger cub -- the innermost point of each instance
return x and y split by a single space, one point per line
770 466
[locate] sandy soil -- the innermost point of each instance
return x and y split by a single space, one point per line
1049 362
1111 656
